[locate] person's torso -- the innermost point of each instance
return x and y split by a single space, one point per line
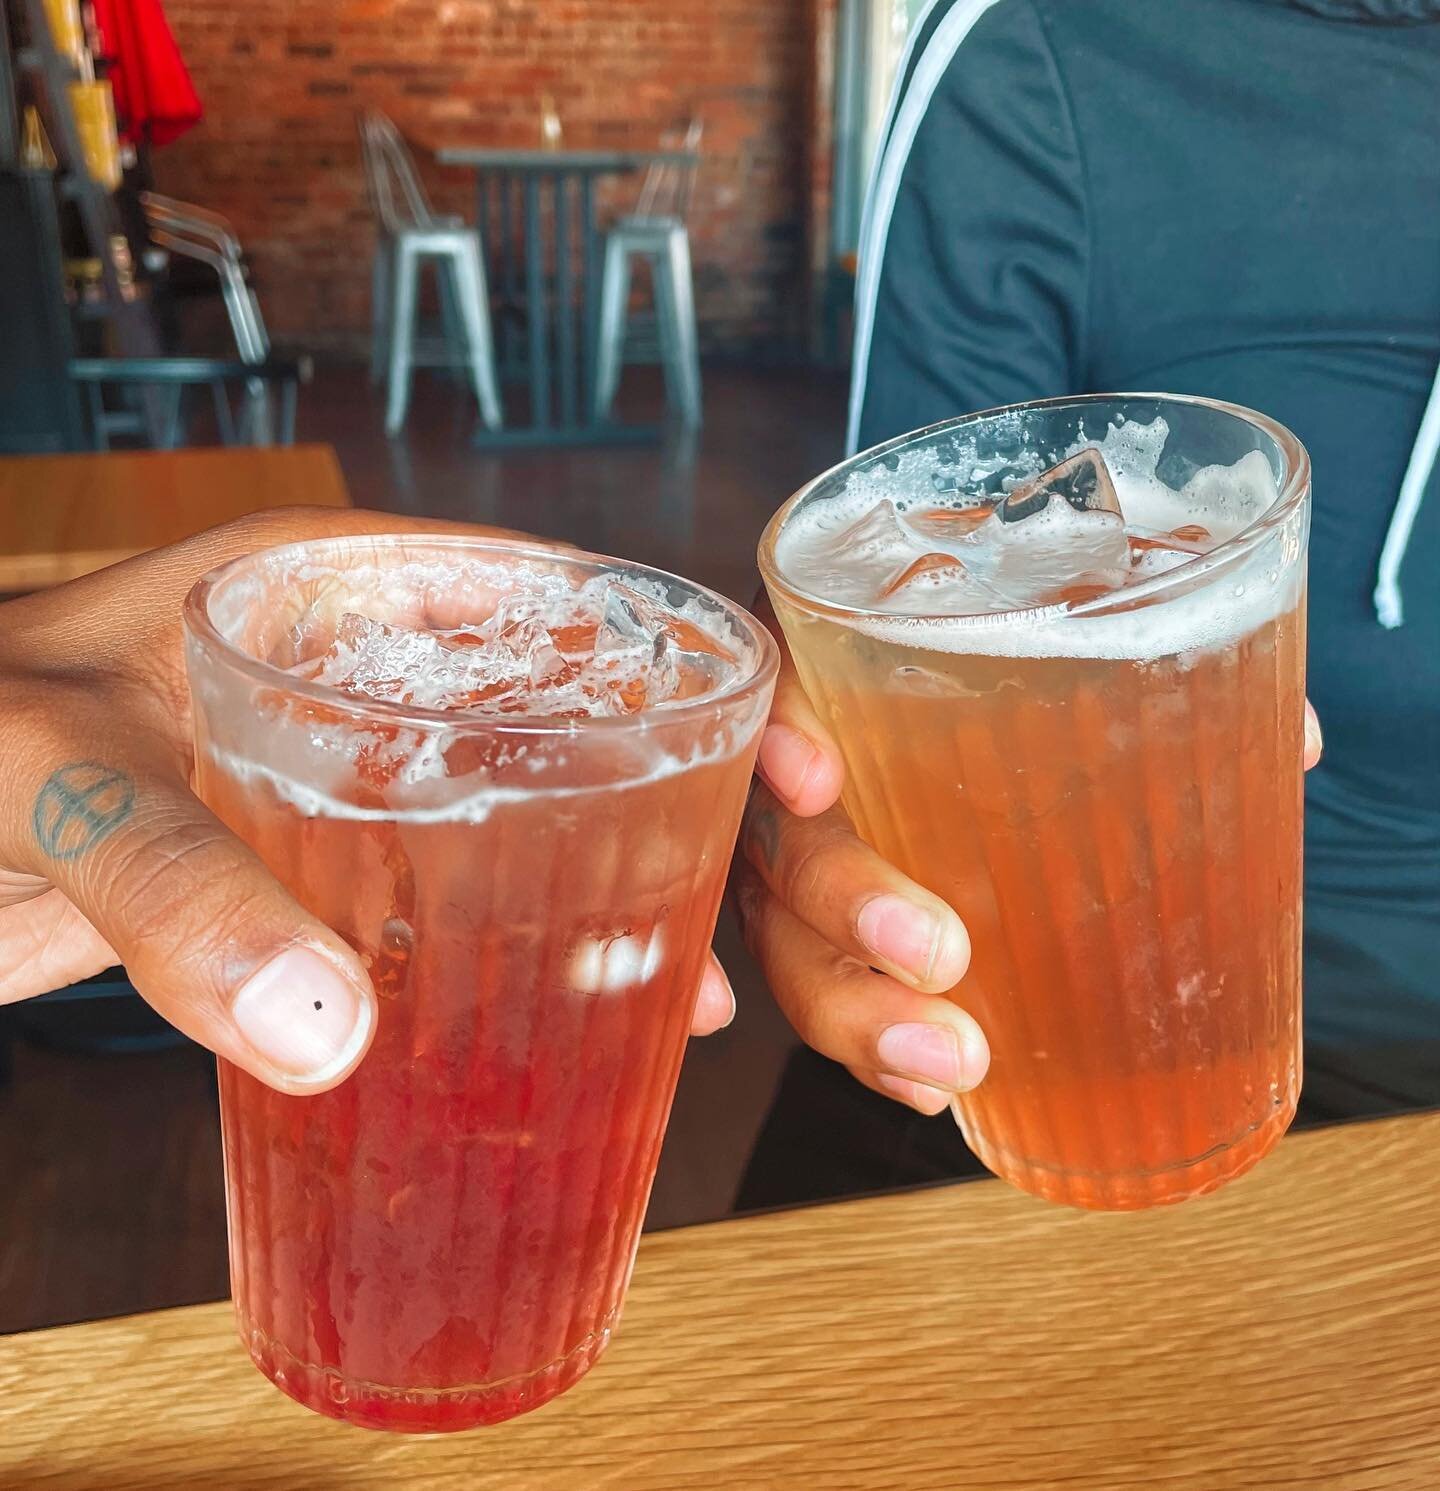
1263 196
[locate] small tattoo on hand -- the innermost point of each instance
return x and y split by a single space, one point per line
79 805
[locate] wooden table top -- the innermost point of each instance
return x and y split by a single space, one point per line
63 516
1280 1334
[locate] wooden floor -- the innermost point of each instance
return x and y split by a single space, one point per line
110 1184
695 505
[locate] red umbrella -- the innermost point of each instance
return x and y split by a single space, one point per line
155 101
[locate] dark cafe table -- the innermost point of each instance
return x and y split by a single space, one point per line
1281 1334
536 212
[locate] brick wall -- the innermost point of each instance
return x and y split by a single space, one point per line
282 80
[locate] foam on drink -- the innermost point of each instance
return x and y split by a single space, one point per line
924 550
516 641
601 650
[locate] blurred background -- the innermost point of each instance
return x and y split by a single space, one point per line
579 268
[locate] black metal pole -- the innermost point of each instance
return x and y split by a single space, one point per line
482 206
589 277
508 279
9 100
536 296
564 309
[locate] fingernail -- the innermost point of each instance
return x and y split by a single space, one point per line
926 1100
717 991
1314 743
925 1053
787 759
900 932
302 1015
935 1054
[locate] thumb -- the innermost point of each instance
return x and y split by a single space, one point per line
206 933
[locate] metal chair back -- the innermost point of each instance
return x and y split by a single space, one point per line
396 194
189 216
667 187
205 236
199 234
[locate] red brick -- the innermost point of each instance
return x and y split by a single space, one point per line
278 151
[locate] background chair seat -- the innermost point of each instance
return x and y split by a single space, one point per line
410 236
654 232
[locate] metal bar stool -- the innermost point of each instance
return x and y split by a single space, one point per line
206 237
655 232
176 375
411 233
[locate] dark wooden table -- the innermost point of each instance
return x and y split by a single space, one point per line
539 228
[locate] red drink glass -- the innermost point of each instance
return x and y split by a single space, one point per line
444 1240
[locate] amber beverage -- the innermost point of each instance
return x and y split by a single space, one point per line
445 1239
1106 788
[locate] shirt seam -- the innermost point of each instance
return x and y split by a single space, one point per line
1062 89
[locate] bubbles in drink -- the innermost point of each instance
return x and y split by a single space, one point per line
1032 547
878 535
1083 481
1055 544
383 662
947 522
1154 553
602 649
681 659
1094 521
1191 538
933 572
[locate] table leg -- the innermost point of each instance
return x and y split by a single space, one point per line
564 310
289 396
507 277
538 316
561 393
482 208
589 277
486 183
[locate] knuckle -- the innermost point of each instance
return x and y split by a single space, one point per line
805 870
165 883
808 1005
819 1000
259 530
291 518
230 928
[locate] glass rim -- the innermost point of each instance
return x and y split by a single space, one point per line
1293 490
201 627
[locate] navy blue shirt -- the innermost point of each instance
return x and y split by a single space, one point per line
1235 198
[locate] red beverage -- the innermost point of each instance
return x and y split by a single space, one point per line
1075 714
532 872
